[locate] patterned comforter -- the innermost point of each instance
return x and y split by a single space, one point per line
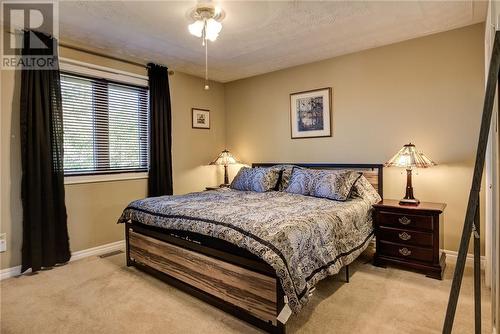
303 238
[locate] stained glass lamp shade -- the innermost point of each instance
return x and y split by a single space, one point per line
225 158
408 157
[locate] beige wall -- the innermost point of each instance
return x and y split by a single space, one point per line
93 208
428 91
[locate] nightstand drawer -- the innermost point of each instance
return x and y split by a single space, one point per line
406 221
406 237
405 251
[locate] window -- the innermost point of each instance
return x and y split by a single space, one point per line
105 126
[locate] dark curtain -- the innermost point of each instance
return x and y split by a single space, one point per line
45 232
160 133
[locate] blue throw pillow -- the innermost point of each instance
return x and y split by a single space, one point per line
257 179
323 183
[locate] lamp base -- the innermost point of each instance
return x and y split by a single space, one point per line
409 201
224 185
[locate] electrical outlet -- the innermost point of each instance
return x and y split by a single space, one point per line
3 242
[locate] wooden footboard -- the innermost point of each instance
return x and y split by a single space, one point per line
251 294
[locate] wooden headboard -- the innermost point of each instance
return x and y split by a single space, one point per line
372 172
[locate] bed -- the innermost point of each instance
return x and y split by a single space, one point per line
255 255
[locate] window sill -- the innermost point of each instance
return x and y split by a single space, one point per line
104 178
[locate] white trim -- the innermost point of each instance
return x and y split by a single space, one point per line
94 251
451 257
99 250
104 178
10 272
79 67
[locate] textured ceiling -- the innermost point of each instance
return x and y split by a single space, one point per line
257 36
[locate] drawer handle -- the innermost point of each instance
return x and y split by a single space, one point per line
404 236
404 220
404 251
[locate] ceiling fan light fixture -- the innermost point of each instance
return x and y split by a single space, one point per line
213 29
207 26
206 21
196 28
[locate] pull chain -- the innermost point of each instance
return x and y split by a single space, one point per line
207 87
204 43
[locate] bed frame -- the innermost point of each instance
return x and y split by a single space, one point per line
213 270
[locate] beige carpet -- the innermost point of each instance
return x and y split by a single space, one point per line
96 295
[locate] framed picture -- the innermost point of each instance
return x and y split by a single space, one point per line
310 113
200 118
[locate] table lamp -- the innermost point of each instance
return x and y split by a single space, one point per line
225 158
408 157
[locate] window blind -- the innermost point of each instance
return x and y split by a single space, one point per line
105 126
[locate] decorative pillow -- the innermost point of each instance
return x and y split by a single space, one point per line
300 182
332 184
257 179
363 188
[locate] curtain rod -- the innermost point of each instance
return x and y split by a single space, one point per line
64 45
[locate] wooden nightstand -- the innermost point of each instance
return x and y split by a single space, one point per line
409 236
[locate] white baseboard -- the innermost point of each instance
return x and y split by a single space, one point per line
451 257
99 250
10 272
94 251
